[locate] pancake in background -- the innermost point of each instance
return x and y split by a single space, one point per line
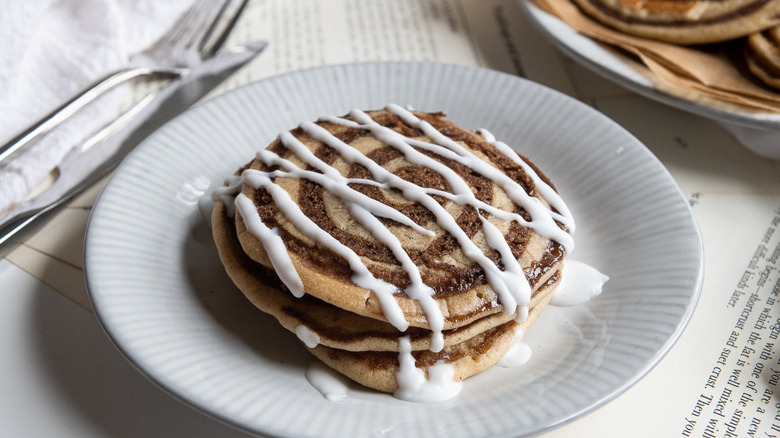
685 21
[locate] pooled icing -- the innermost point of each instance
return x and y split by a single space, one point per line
579 283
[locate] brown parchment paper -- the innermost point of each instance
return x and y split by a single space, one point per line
712 74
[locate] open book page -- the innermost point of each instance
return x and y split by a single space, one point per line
312 33
720 378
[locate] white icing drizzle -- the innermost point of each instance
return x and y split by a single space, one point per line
361 275
272 243
510 284
412 383
542 219
307 336
227 193
331 385
332 181
417 290
512 269
513 290
365 210
522 314
553 198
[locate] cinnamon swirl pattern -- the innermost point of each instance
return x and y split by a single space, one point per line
762 53
685 21
401 248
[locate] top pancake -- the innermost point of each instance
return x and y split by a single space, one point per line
685 21
441 238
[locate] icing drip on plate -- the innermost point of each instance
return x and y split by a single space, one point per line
579 283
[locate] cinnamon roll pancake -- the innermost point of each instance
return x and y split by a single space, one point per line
388 233
685 21
762 53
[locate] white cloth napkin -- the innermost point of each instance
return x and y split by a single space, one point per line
49 51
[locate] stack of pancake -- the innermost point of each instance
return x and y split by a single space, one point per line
757 22
393 234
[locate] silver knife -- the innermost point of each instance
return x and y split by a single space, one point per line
86 164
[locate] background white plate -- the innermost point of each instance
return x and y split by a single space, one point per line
160 292
603 62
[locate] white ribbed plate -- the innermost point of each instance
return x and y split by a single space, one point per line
160 292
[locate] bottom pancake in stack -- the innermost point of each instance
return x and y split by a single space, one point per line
402 249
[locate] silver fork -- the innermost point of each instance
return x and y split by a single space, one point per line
196 36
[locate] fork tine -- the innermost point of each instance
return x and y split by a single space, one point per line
183 25
219 41
213 26
199 33
199 17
